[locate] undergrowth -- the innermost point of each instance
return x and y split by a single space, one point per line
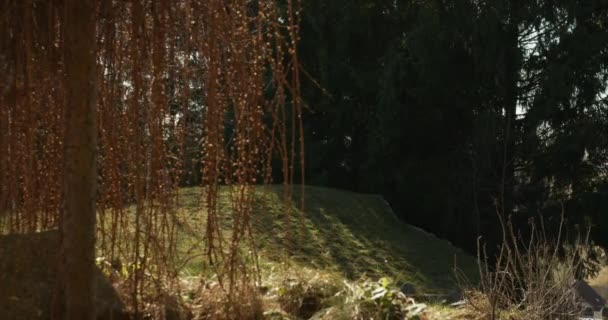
533 277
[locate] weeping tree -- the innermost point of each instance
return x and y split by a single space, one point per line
95 103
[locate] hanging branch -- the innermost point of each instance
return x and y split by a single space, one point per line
153 58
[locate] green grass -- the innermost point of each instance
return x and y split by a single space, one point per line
351 234
339 236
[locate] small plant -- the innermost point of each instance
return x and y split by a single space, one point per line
377 300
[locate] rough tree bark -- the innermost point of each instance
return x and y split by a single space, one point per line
80 144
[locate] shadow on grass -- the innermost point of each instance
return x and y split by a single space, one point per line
356 235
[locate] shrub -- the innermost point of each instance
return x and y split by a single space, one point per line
532 278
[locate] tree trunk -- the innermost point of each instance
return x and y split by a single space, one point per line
511 74
80 175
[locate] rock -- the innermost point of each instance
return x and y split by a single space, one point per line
28 279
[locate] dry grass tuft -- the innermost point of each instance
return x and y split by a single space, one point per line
245 303
532 278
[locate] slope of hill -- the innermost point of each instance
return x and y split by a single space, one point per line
348 233
339 236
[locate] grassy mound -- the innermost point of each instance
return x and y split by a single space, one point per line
323 262
354 235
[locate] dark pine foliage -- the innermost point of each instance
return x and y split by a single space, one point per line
455 111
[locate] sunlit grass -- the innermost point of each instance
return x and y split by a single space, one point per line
354 235
346 233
